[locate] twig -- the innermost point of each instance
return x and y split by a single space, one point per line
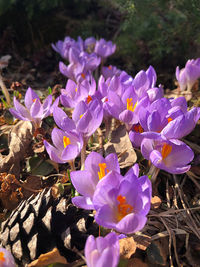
5 90
191 222
170 241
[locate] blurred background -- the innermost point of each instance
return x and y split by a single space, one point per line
160 33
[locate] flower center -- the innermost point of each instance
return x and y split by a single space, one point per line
166 150
89 98
129 104
102 168
2 258
66 141
123 208
138 128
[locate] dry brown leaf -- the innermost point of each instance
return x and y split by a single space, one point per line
20 139
155 202
48 258
127 247
121 144
136 262
142 241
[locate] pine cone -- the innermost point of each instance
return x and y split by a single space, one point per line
42 223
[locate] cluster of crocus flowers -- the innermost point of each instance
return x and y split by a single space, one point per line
84 56
102 251
34 110
154 123
6 258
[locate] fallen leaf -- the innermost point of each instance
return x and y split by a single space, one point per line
127 247
121 145
48 258
20 140
157 252
155 202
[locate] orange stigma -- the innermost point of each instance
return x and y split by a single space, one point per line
138 128
66 141
89 98
129 104
83 75
123 208
169 119
166 150
2 258
110 67
102 173
34 99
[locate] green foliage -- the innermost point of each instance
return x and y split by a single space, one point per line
161 33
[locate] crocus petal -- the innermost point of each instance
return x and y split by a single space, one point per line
21 109
36 110
18 115
30 97
106 217
54 153
131 223
83 182
83 202
62 120
70 152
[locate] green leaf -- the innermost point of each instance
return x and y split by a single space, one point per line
38 166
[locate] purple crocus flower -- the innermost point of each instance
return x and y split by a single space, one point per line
104 48
85 182
187 76
67 145
102 251
62 47
117 207
6 258
166 117
34 110
76 92
87 117
172 155
126 107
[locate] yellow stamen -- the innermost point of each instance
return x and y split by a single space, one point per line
169 119
138 128
83 75
89 98
76 89
81 116
2 258
166 150
102 167
123 208
130 104
66 141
